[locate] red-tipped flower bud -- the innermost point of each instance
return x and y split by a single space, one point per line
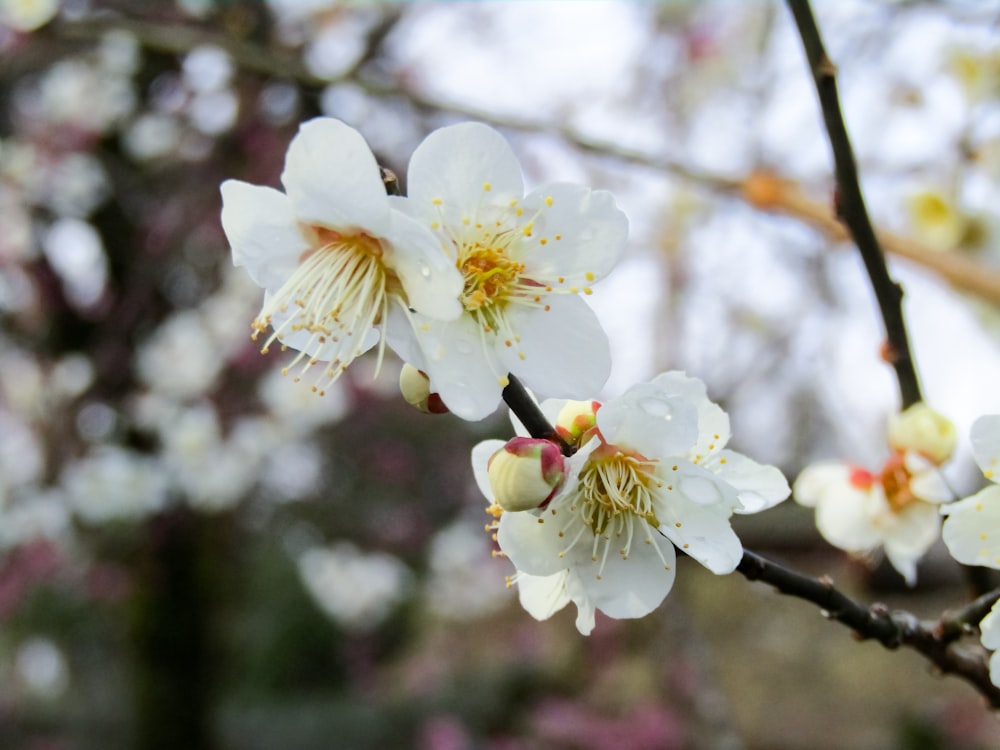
416 389
526 473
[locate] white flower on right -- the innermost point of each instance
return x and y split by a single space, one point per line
897 508
972 529
650 472
524 260
333 254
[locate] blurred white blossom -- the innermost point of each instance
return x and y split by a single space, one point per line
113 484
357 590
465 582
181 359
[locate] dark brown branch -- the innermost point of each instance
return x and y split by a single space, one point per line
892 628
526 409
935 640
850 204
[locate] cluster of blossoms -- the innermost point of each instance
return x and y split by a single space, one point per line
896 508
472 281
467 278
649 471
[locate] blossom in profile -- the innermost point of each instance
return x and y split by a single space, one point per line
332 253
896 508
650 472
526 262
972 530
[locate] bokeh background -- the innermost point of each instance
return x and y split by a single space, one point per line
196 553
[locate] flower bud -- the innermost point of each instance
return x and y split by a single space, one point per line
925 431
526 473
416 389
576 419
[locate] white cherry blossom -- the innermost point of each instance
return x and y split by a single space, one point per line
332 253
650 472
972 529
897 508
525 261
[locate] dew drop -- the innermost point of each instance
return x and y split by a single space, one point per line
425 270
700 490
657 407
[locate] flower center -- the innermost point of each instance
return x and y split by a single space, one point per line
326 307
490 277
896 483
615 491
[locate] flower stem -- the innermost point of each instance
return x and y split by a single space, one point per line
526 410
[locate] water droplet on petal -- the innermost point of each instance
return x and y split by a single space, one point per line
425 270
700 490
657 407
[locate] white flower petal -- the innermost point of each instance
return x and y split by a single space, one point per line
333 179
930 486
915 529
566 351
633 587
702 531
263 232
429 277
985 436
760 486
590 228
989 628
844 518
542 596
713 422
532 542
451 353
646 420
481 455
815 481
972 529
453 166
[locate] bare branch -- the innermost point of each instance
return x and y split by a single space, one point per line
850 204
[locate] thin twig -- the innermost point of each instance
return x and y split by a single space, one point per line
850 204
892 628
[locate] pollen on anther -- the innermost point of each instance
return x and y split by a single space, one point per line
558 236
543 241
435 225
722 460
508 343
520 355
284 370
541 520
574 289
548 200
519 212
436 201
590 276
561 279
487 186
677 524
687 546
466 220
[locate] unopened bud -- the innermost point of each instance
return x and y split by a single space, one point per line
526 473
416 389
925 431
576 419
